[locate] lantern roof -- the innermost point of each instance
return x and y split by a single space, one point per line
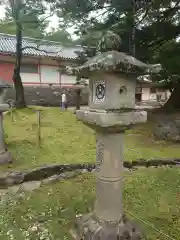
117 62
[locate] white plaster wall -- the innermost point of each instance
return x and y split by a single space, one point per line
145 94
168 94
163 95
148 96
153 97
48 62
30 77
85 80
68 79
50 74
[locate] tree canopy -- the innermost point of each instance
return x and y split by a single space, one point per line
24 17
149 30
155 22
59 35
31 15
146 29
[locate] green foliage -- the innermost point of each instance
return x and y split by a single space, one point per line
169 55
151 28
9 28
61 36
105 17
29 14
109 41
34 29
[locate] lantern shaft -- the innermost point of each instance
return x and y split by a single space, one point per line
109 169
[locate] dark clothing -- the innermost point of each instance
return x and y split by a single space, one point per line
64 105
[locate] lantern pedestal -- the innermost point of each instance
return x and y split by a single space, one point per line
89 227
5 158
108 220
5 155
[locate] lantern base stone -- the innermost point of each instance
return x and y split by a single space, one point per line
6 158
89 227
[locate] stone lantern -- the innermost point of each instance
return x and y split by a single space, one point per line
111 111
5 156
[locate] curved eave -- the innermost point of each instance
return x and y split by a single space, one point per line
133 71
113 61
39 55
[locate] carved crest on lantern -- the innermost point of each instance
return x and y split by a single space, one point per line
99 91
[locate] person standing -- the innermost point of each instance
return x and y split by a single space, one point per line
64 101
159 98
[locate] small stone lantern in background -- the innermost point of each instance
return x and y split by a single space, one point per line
80 83
5 156
78 92
111 111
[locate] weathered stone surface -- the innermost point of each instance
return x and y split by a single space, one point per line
115 61
111 121
11 179
48 171
69 175
14 189
58 172
44 174
49 96
30 186
119 91
41 173
89 227
56 178
4 107
52 179
3 192
6 158
167 128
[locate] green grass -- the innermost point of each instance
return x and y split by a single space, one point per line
152 195
49 212
66 140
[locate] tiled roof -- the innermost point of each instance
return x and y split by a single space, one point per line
37 47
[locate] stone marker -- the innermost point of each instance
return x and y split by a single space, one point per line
38 115
5 156
111 111
38 121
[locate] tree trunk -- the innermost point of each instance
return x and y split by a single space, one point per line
20 100
173 103
133 37
132 30
78 98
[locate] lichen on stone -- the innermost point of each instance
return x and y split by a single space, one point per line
115 61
